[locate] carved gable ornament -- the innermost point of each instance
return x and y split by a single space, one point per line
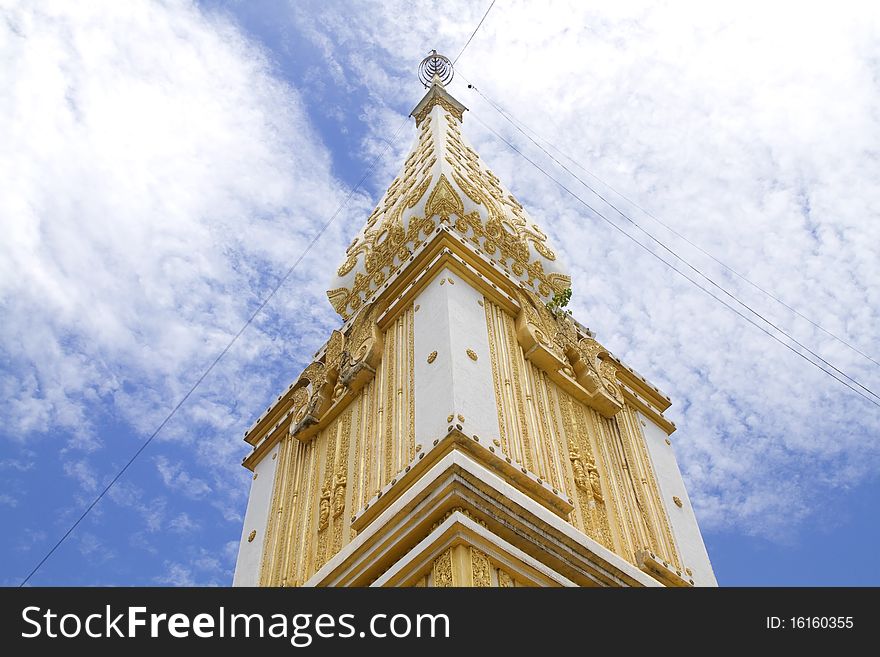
581 365
444 182
326 386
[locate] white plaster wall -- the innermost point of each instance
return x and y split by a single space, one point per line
688 538
247 566
450 321
474 390
433 381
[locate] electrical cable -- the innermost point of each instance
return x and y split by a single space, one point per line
674 268
219 356
476 29
234 339
523 128
688 264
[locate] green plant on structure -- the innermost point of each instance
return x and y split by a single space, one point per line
560 300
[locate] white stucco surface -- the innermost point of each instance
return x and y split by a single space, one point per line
687 535
450 321
247 566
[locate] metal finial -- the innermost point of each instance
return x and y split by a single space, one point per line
435 68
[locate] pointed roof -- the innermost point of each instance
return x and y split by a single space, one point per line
443 181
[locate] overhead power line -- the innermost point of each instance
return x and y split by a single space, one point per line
532 135
235 338
219 356
476 29
683 274
693 268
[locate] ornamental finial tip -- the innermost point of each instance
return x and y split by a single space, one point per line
435 69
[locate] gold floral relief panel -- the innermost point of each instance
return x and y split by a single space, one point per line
601 464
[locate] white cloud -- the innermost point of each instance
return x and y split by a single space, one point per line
83 473
28 538
156 173
177 575
8 500
182 523
18 465
93 548
177 479
202 569
127 495
158 179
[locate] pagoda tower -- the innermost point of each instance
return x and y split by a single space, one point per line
460 428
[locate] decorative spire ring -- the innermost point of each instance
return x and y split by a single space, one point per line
435 68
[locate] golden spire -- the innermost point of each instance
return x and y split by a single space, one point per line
443 182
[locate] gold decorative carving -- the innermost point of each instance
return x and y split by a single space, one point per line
471 354
517 361
442 569
252 536
317 382
442 102
504 579
552 342
541 333
506 234
334 350
495 340
480 568
324 507
411 395
593 475
586 476
347 266
461 510
357 472
299 399
677 501
339 482
329 438
390 432
308 520
363 352
255 476
450 418
384 247
647 530
271 558
444 201
659 519
500 227
585 431
371 439
544 426
432 357
460 417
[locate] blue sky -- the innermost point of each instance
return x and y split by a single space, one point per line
165 162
